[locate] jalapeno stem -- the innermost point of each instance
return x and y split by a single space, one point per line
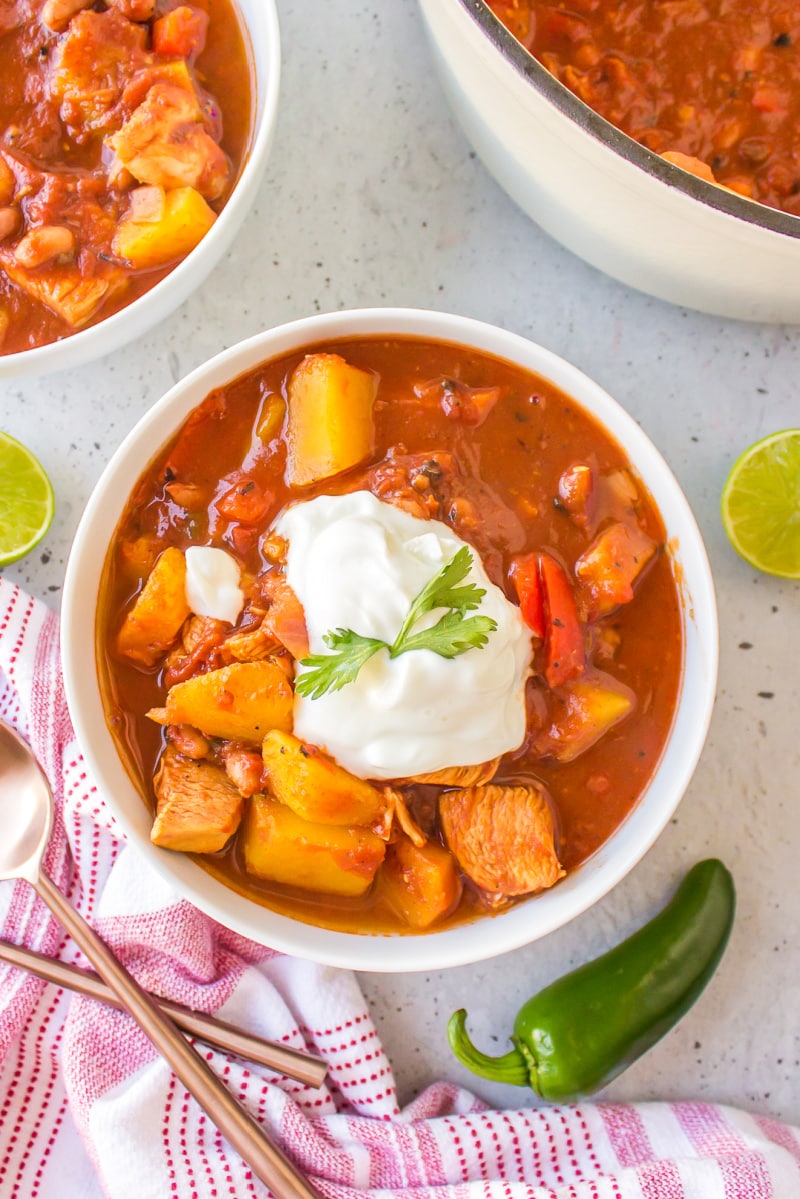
515 1067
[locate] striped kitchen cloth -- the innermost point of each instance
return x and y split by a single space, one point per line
88 1109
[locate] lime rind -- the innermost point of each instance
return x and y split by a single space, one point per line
760 504
27 502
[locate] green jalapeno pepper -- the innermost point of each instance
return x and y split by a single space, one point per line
585 1028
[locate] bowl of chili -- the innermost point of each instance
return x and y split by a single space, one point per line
136 135
654 141
413 794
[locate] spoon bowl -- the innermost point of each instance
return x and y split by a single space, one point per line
26 809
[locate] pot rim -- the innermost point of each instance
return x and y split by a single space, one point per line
580 114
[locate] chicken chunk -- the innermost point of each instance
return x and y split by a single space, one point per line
198 809
165 142
95 58
502 837
65 288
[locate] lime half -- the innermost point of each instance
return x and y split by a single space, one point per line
26 500
761 504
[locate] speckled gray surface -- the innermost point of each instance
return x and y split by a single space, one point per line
372 196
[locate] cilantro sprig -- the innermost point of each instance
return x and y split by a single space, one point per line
453 634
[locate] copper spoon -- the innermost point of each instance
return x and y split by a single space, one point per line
26 819
298 1064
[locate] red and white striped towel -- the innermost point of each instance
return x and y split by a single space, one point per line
88 1109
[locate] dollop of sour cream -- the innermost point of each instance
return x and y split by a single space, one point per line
357 563
212 583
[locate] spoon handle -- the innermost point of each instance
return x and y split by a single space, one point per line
245 1134
297 1064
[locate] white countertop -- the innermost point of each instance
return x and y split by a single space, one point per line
373 197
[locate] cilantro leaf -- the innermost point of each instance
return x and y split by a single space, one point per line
331 672
451 636
442 592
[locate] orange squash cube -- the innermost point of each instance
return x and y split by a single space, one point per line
421 884
278 845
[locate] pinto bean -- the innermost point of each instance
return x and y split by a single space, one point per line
10 221
8 183
44 243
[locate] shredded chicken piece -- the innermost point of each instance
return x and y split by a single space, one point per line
188 741
459 776
396 804
244 767
250 644
503 837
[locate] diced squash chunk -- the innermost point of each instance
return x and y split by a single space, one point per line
240 702
155 620
329 429
316 788
421 884
168 227
611 565
502 837
278 845
584 710
198 809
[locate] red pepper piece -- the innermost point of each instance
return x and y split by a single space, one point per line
527 582
565 649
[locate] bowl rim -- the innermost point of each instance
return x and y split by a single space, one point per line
620 143
75 349
386 952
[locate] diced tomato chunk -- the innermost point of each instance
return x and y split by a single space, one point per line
608 569
767 98
181 32
565 649
246 501
575 491
525 576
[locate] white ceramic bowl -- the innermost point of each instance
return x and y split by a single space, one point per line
260 22
612 201
524 922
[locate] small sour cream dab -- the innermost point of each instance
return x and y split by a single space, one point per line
212 584
357 563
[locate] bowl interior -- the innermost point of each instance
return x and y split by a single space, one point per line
527 920
260 23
